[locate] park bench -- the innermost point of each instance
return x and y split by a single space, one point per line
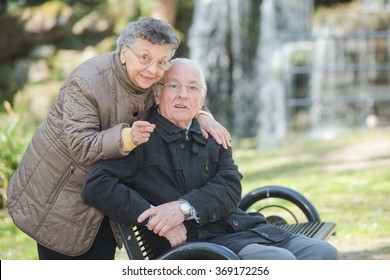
282 206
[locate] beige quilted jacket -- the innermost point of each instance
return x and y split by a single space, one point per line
83 127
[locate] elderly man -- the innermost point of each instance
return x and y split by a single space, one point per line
181 186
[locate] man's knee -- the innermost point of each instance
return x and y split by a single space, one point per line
330 252
305 248
262 252
320 250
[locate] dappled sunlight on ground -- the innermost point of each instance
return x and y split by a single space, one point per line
373 251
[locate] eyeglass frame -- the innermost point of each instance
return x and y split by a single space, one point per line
167 66
181 86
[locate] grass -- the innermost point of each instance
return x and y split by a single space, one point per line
14 244
346 178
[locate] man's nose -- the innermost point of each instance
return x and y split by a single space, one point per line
183 91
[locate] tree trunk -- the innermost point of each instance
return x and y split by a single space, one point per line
165 10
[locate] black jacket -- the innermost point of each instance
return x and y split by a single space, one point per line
177 164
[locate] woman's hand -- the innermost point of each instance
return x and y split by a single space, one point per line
140 132
210 126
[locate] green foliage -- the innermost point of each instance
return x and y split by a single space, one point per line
146 7
14 244
81 8
15 133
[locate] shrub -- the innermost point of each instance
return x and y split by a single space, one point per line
15 133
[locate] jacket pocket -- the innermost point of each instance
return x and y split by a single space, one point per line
209 161
61 183
271 233
236 222
240 220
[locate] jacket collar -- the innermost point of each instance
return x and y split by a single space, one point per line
122 76
171 132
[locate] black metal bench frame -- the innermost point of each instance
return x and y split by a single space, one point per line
137 247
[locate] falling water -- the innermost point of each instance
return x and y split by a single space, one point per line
344 79
246 49
222 41
238 45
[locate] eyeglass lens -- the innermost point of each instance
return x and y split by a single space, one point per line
147 60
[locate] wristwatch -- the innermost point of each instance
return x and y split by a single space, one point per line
185 207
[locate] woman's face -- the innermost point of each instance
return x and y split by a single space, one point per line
144 75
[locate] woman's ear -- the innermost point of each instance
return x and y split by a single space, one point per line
123 54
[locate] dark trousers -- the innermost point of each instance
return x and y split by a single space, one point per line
103 247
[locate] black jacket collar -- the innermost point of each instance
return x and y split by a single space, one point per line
171 132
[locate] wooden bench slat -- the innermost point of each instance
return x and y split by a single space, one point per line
319 230
130 242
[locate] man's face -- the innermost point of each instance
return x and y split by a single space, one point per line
182 94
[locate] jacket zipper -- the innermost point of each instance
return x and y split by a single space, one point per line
62 181
186 135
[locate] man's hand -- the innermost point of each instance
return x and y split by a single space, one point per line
176 235
140 132
210 126
164 217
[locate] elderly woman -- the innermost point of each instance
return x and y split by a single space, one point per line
182 187
98 115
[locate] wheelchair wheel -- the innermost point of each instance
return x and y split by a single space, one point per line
280 205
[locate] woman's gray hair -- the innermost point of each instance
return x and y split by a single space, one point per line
148 28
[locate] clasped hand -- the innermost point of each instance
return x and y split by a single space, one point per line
167 221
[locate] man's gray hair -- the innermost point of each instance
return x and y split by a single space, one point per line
196 64
148 28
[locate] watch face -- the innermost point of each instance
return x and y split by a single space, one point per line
185 207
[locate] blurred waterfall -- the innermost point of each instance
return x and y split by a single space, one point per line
238 46
280 19
223 39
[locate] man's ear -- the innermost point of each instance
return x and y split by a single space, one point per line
156 93
156 90
203 98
